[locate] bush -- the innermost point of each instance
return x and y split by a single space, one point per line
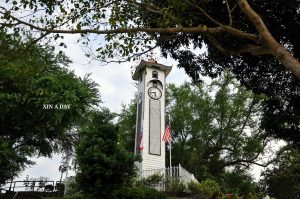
208 186
68 197
153 180
75 197
194 187
239 183
231 196
174 185
138 193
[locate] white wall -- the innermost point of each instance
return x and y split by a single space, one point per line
150 161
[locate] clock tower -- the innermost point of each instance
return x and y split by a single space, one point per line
150 123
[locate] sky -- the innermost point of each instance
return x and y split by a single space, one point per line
116 88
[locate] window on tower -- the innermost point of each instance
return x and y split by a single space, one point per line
154 74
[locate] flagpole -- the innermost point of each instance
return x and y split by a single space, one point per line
170 143
170 159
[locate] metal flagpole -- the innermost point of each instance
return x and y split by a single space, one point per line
170 145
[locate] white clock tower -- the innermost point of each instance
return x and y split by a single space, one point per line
150 123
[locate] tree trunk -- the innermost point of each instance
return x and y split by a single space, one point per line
285 57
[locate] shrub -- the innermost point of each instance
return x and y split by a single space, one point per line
194 187
174 185
138 193
153 180
231 196
208 186
239 183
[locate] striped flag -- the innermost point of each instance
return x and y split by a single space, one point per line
167 134
141 147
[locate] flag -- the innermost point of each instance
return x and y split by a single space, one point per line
141 147
167 134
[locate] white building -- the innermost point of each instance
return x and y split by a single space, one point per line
150 114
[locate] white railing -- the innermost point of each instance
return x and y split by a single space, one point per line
151 172
176 172
186 176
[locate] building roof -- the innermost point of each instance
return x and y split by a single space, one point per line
150 63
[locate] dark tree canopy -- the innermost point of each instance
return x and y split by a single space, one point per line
256 40
282 180
127 125
260 73
32 76
104 166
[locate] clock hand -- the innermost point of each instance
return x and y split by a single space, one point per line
153 94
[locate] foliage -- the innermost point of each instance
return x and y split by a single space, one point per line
282 180
262 73
152 181
29 81
12 161
70 186
238 182
103 166
174 185
127 125
193 187
157 180
138 193
215 126
69 197
258 41
207 189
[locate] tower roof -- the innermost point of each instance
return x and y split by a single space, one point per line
150 63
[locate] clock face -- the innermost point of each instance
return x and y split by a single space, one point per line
154 92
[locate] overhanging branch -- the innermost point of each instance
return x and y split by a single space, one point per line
199 29
277 50
248 48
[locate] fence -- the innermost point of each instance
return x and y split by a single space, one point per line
32 189
177 173
32 185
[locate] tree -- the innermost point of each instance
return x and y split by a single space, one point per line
282 180
256 40
260 73
241 183
103 165
41 103
12 161
254 36
216 127
127 125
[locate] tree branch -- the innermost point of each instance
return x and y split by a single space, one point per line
204 12
229 12
283 55
198 29
249 48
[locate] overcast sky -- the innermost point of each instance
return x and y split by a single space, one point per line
116 87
